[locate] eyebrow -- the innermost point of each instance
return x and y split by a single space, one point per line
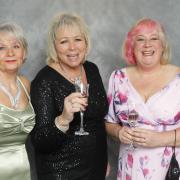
12 42
78 36
150 35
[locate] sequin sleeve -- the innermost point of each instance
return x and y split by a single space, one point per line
45 135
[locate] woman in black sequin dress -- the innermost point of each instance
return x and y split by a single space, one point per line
60 154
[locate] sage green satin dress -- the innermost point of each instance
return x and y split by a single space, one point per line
14 128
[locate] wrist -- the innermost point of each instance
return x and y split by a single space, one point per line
117 132
62 121
166 138
61 125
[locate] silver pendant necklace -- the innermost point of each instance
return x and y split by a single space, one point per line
14 99
75 79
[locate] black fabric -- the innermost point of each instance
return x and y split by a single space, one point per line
61 156
173 171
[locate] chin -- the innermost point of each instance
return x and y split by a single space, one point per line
74 64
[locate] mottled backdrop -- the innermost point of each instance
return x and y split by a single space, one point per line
108 21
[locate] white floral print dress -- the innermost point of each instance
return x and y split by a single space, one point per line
161 113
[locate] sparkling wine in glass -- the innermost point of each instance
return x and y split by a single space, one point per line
132 119
84 90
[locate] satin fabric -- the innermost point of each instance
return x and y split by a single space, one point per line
14 128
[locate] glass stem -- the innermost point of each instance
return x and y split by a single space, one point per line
81 116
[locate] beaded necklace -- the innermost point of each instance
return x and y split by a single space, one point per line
14 99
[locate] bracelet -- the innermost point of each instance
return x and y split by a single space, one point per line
62 121
63 128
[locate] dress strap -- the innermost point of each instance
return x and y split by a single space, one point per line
27 94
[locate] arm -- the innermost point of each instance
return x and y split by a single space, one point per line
122 133
46 137
178 137
75 102
113 124
52 119
113 129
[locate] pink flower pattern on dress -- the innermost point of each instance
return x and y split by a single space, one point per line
144 166
109 98
177 117
122 98
156 114
130 160
166 157
128 177
145 172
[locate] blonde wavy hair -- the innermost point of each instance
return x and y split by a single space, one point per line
62 21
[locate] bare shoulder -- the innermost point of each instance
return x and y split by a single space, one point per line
173 69
130 70
178 69
26 82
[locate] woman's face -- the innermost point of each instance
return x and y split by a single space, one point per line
148 48
12 52
70 46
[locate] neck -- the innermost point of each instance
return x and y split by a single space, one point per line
71 73
8 78
149 71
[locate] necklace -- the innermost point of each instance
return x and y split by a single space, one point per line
72 79
14 99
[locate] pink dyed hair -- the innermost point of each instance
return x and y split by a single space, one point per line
141 25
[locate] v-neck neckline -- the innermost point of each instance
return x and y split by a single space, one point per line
154 95
68 81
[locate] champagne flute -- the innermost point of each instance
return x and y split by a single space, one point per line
84 90
132 119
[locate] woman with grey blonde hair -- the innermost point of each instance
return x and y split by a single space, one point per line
64 153
16 111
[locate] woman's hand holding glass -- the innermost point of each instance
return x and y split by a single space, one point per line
84 90
132 119
149 138
75 102
125 135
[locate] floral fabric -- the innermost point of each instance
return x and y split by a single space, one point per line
161 113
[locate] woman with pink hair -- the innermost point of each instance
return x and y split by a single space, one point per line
144 104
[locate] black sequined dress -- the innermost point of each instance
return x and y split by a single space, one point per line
65 156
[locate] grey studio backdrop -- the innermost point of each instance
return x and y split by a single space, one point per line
108 21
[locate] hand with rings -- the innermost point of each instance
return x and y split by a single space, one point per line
73 103
147 138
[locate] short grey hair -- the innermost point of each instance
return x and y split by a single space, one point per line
16 31
62 21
